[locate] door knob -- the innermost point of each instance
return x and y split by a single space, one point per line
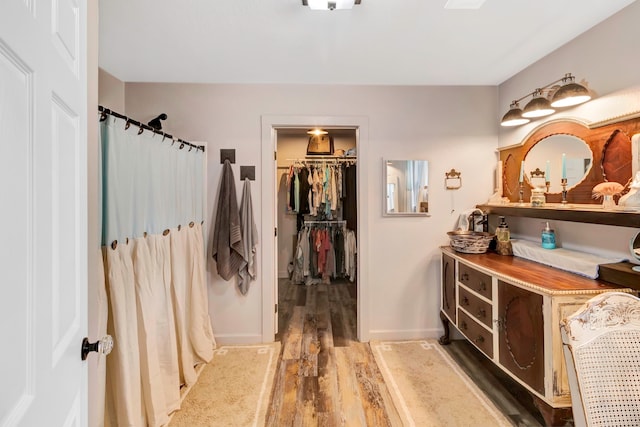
102 346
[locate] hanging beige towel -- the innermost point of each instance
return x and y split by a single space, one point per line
249 238
228 251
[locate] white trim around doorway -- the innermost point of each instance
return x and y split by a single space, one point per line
269 196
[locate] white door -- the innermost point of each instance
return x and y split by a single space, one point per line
43 220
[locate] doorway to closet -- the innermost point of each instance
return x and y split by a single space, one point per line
271 124
316 222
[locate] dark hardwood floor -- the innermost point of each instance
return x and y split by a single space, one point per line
325 377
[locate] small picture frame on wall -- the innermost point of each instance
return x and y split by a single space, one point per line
320 145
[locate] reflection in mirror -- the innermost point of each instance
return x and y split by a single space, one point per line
546 155
406 187
635 250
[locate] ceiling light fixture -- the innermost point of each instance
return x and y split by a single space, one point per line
330 4
514 116
566 95
317 132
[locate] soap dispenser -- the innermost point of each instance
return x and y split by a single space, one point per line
548 237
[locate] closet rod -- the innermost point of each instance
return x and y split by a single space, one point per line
326 160
332 221
106 111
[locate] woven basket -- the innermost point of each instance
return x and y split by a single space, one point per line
470 242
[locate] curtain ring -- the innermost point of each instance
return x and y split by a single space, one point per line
165 232
191 224
127 124
181 145
179 227
190 148
140 130
103 116
114 245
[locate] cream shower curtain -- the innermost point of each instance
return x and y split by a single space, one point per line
153 253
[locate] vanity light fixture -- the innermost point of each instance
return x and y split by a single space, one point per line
514 116
566 95
570 93
330 4
539 106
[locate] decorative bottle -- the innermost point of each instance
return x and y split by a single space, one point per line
502 232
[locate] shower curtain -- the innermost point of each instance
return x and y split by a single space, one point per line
153 252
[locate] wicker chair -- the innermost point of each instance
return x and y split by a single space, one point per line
601 345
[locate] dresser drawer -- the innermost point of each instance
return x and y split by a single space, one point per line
478 308
473 279
475 333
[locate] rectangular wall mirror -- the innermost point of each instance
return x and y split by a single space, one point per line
406 187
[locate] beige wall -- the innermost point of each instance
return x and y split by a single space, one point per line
452 127
110 92
604 57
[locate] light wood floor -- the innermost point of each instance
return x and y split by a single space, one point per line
325 377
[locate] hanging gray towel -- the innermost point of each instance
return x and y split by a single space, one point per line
249 238
228 251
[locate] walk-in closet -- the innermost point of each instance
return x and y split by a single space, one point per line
317 217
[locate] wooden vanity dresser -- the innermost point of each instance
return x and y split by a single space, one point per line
510 309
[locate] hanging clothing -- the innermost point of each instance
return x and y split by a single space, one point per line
350 249
321 252
228 250
249 238
350 200
303 190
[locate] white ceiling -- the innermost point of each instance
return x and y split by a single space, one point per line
390 42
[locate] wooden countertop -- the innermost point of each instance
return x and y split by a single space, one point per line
532 274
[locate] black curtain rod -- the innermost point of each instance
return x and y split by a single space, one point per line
106 111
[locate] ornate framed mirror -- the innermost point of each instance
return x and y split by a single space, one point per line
597 154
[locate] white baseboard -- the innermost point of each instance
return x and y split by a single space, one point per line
240 339
407 334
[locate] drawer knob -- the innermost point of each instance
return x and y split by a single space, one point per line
483 286
480 339
464 277
481 313
465 301
463 325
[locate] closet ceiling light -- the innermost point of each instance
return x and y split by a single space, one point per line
329 5
569 94
317 132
